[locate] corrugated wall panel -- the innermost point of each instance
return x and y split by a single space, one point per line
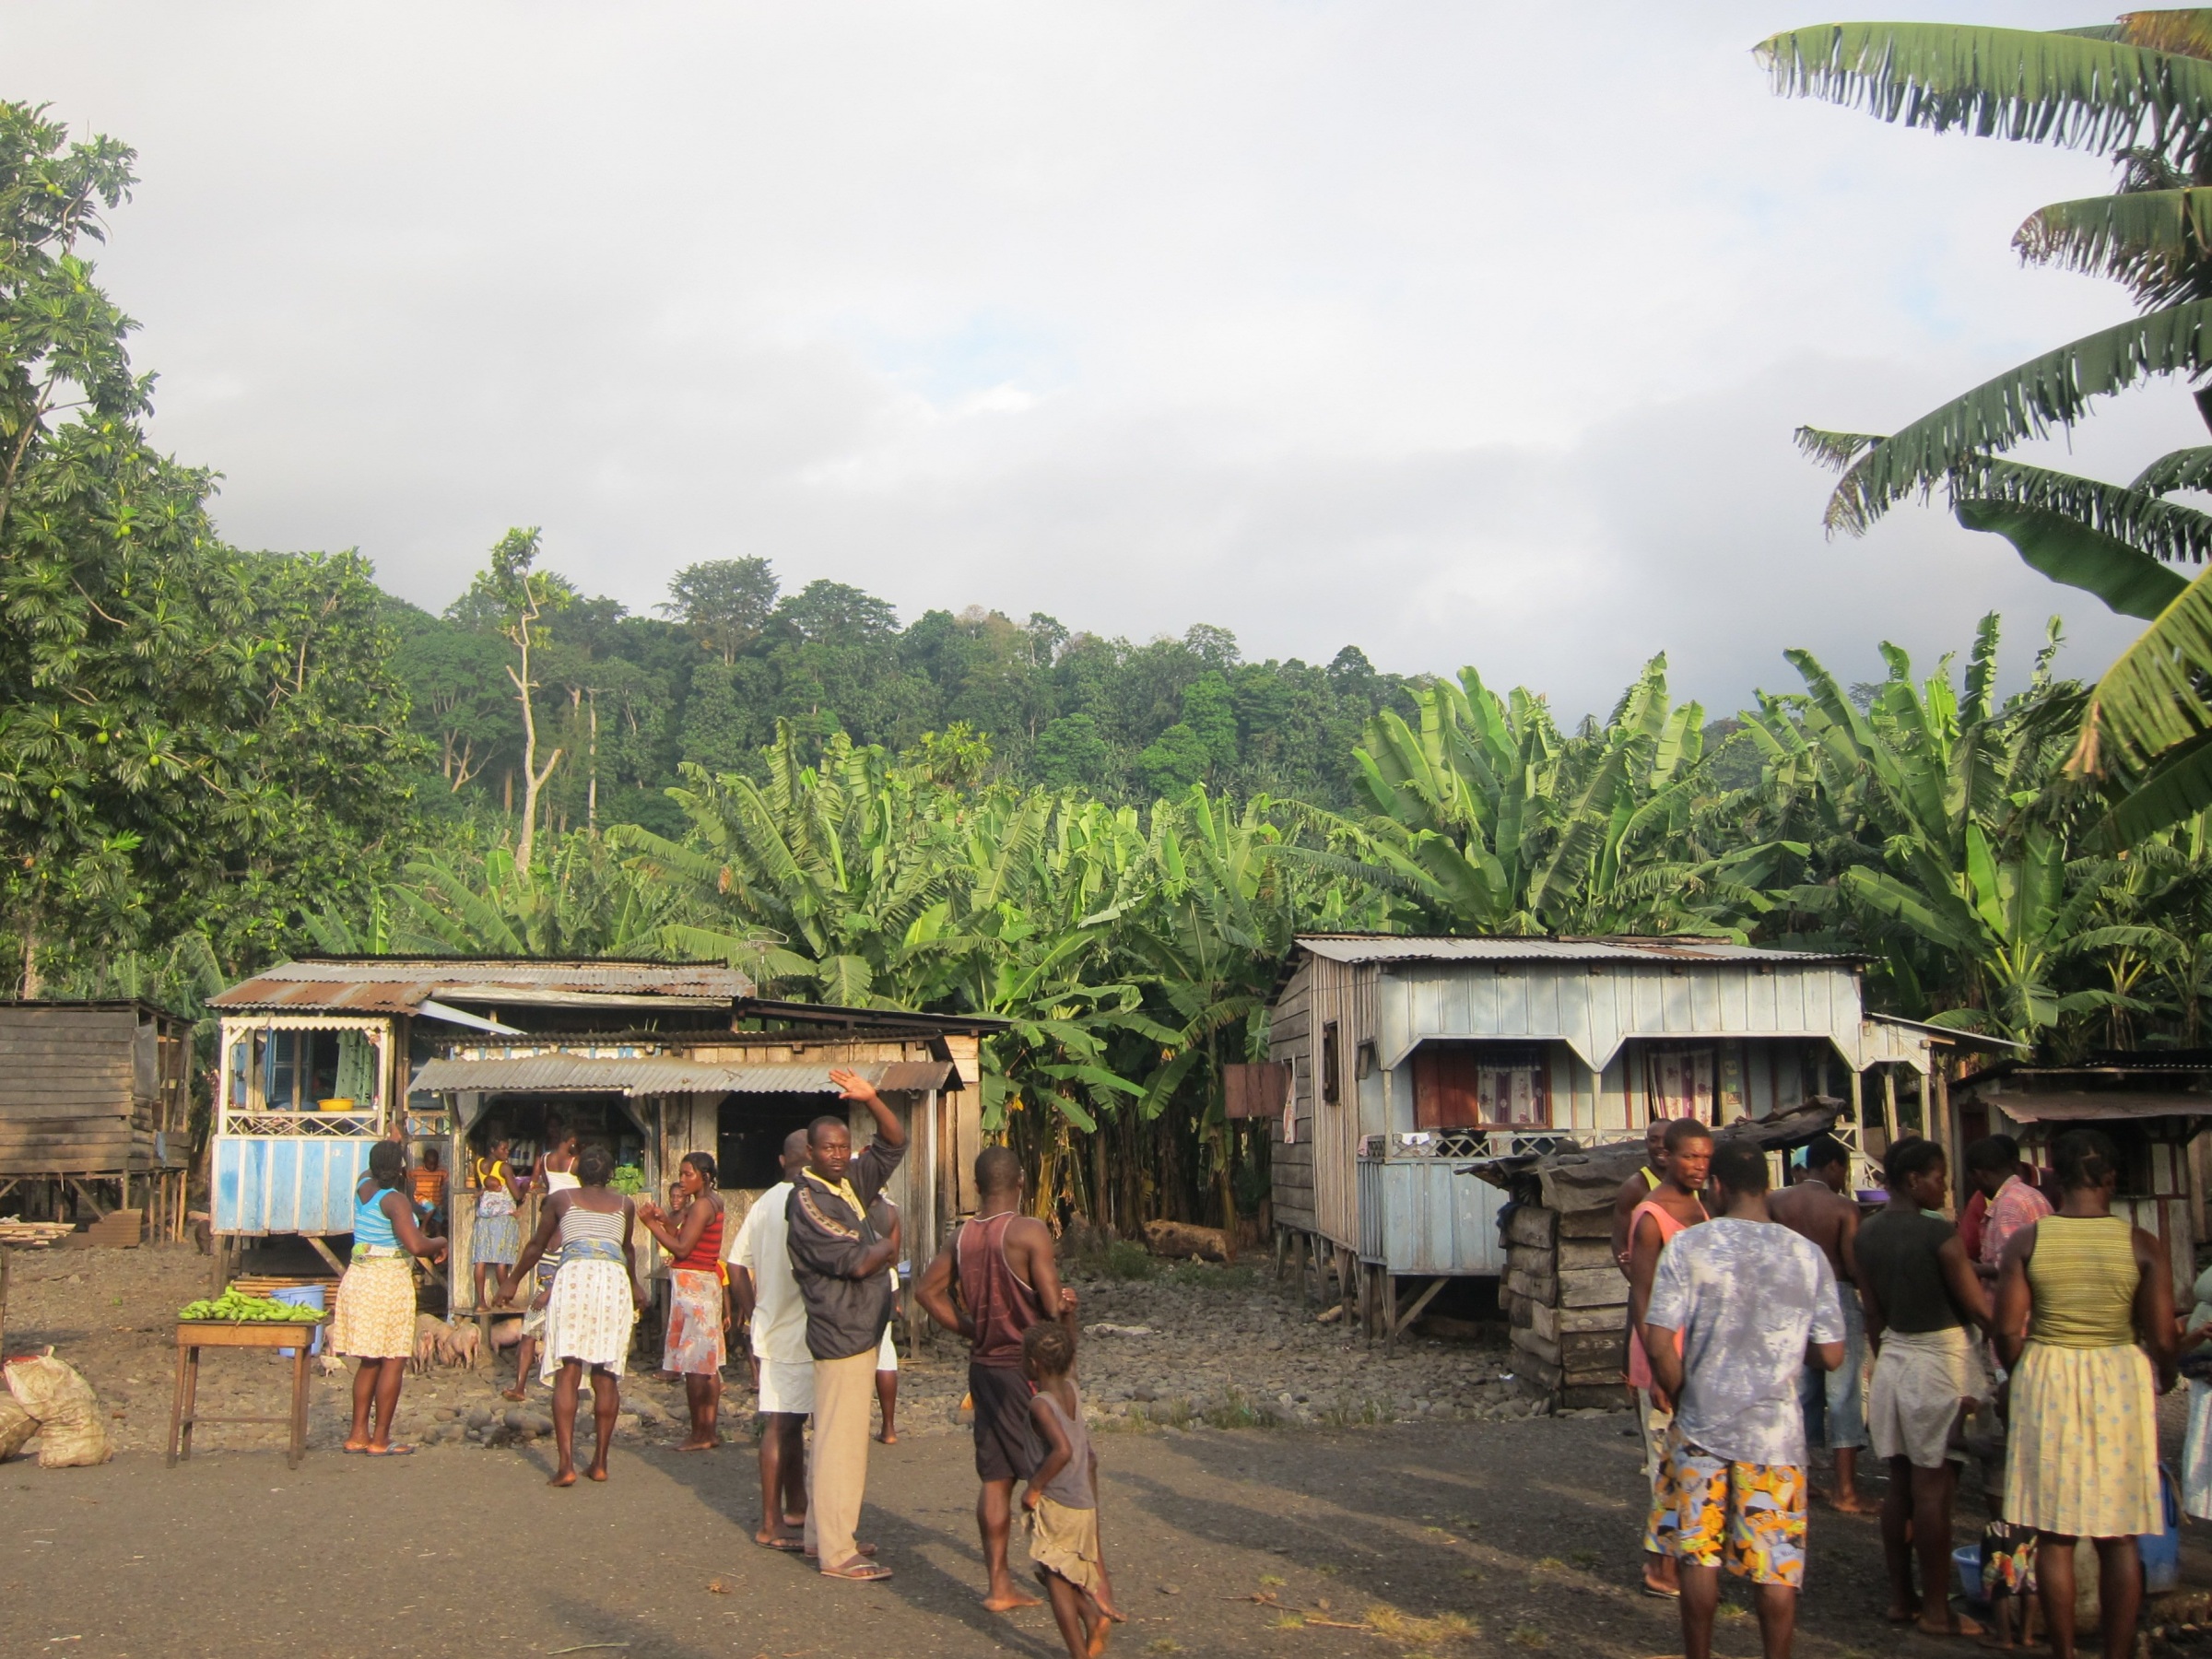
266 1184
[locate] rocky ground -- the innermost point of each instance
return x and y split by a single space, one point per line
1190 1342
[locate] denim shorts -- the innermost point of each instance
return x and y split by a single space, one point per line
1835 1402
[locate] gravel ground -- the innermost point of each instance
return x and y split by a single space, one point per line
1331 1525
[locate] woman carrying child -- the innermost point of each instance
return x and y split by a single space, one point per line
498 1237
1063 1497
375 1321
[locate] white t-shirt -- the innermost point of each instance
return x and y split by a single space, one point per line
779 1310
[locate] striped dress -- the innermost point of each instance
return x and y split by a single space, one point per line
591 1311
2083 1460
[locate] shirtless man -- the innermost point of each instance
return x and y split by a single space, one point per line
1834 1405
1638 1187
1684 1158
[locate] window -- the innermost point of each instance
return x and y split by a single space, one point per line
1330 1064
1480 1085
1678 1081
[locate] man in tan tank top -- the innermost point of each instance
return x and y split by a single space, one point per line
1003 1268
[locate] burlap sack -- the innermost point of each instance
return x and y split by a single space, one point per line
72 1429
17 1426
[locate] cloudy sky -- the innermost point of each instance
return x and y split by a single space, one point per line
1460 332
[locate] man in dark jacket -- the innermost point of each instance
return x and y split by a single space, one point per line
839 1256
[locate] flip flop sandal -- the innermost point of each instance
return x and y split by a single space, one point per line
1658 1595
859 1572
354 1451
788 1546
391 1452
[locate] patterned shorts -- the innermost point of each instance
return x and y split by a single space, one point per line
1747 1517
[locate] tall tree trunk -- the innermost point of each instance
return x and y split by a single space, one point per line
33 986
591 798
533 778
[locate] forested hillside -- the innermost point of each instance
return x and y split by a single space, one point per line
630 697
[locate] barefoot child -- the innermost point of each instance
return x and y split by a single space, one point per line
1063 1497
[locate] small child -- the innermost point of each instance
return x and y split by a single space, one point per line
1063 1497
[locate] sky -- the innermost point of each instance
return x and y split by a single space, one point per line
1446 330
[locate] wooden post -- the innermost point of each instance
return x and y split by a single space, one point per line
1889 1125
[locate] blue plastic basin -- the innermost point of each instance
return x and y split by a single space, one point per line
301 1296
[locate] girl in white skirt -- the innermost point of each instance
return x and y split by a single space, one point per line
592 1306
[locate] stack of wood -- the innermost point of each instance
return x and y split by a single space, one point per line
118 1229
1568 1305
32 1235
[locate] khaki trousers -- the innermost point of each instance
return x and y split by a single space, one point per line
837 1477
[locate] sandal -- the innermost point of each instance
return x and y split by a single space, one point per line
858 1572
391 1452
788 1546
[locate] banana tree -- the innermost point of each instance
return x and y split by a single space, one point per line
2138 90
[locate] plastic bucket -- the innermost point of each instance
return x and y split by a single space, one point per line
1967 1563
301 1296
2162 1551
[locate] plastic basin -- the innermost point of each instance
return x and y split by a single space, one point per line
1967 1563
301 1296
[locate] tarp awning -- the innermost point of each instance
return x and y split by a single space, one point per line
659 1073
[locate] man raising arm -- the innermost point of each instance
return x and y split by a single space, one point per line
839 1259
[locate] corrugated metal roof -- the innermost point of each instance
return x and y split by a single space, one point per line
398 985
1406 947
659 1073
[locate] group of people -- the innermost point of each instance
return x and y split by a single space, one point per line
2038 1333
809 1275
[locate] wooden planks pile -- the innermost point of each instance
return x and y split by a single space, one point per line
32 1235
1567 1303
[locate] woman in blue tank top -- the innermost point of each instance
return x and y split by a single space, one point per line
375 1320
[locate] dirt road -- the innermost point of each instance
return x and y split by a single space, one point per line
1219 1541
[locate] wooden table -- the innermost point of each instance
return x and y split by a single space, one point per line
299 1334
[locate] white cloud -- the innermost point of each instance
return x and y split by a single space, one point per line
1458 333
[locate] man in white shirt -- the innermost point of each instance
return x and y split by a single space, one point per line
768 1296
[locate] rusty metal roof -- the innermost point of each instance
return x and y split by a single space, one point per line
1416 947
659 1073
400 984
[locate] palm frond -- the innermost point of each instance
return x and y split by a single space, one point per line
2019 84
1838 449
2162 529
2028 401
2149 702
2178 787
2181 469
2154 241
2130 582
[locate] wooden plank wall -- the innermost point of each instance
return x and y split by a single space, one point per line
68 1096
1291 1164
1343 993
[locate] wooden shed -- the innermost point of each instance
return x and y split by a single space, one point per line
2153 1104
651 1059
1409 1056
95 1107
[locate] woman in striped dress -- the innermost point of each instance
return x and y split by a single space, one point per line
2085 1321
696 1311
592 1307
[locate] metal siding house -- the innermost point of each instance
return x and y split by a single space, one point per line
1408 1056
323 1058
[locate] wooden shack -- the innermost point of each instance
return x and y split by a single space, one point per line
95 1111
1565 1298
2153 1104
1410 1055
651 1060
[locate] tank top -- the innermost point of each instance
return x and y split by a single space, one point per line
370 1225
577 1223
1899 1258
706 1255
562 1181
1639 1362
2083 1275
1072 1488
1000 1305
